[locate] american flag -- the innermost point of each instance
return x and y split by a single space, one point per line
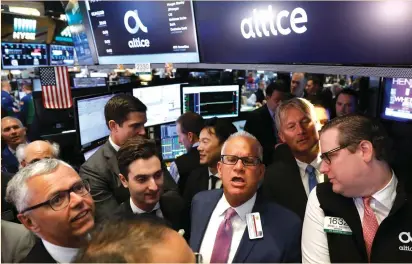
55 87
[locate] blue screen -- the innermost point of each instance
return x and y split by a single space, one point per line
171 148
23 55
61 55
397 99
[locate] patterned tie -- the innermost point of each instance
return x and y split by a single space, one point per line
310 170
223 240
369 225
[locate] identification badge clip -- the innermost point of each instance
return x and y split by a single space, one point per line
254 225
336 225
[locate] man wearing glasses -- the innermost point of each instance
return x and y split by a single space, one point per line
54 203
223 228
289 180
363 214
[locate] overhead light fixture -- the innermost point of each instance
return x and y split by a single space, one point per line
24 10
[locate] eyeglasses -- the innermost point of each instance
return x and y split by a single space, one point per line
62 199
247 161
325 156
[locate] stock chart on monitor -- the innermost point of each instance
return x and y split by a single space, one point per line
171 148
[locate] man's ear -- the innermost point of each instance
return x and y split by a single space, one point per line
23 163
219 169
282 138
190 136
366 148
112 125
124 181
28 222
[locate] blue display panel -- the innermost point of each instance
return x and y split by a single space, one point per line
23 55
61 55
171 148
397 101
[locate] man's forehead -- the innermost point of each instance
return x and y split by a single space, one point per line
207 132
240 144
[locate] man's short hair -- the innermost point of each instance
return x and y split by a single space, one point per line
17 190
354 128
222 129
191 122
21 154
278 85
316 81
350 92
11 118
125 241
119 106
300 104
135 148
245 134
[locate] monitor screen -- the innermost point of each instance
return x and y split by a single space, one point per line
144 31
23 55
36 85
397 101
90 118
171 148
210 101
61 55
240 125
88 82
89 153
163 103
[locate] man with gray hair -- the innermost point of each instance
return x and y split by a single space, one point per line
35 151
13 133
220 217
289 180
54 203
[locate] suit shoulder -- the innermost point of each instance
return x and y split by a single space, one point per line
96 161
207 195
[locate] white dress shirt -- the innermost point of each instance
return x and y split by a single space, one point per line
60 254
116 147
305 176
314 240
137 210
238 227
218 182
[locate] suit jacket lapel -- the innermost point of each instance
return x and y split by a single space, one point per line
296 181
38 254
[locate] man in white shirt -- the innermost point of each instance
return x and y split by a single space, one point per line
141 173
54 203
289 180
223 229
363 214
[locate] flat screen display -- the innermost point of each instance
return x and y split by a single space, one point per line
88 82
23 55
144 31
91 121
397 102
211 101
171 148
163 103
61 55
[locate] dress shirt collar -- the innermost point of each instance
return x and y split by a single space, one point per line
116 147
60 254
137 210
241 210
196 145
211 174
387 195
315 163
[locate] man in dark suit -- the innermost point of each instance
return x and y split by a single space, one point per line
188 127
237 225
261 122
289 180
141 173
54 203
318 95
212 137
125 117
13 133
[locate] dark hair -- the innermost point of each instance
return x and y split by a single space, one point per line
191 122
350 92
222 129
135 148
354 128
119 106
124 241
315 80
278 85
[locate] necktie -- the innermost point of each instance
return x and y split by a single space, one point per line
214 181
369 225
223 240
310 170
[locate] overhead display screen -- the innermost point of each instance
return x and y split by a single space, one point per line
143 31
23 55
61 55
307 32
397 103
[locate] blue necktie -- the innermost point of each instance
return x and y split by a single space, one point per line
312 177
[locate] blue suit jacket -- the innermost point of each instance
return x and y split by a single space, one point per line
282 230
8 161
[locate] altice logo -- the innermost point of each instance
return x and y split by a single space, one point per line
263 23
135 43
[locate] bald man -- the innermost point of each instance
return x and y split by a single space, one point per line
35 151
13 133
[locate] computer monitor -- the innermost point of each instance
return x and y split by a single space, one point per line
89 153
397 100
163 103
210 101
88 82
36 85
240 125
90 121
61 55
171 148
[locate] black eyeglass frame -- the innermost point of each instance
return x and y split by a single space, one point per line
257 160
325 155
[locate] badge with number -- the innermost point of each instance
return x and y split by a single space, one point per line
254 226
336 225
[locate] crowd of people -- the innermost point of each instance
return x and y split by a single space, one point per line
293 187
